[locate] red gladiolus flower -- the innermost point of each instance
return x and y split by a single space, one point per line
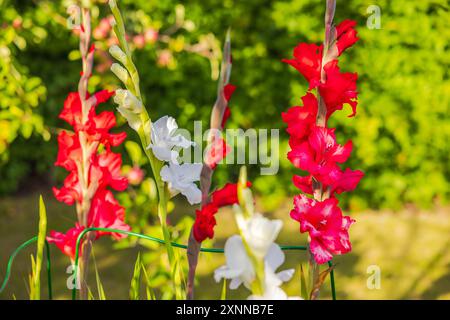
346 35
217 150
337 88
300 120
307 60
69 151
227 92
71 191
106 171
92 170
106 212
227 196
205 222
326 226
340 88
67 242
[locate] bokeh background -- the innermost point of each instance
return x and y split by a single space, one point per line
401 132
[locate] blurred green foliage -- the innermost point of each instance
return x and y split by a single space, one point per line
401 132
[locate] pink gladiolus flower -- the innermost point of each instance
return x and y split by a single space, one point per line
135 175
326 226
139 41
320 153
151 35
313 146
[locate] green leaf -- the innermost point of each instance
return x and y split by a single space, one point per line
135 280
100 290
148 289
303 284
35 285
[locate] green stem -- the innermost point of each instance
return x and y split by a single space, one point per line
144 136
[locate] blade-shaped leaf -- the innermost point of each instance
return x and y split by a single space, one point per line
135 280
303 284
148 288
100 290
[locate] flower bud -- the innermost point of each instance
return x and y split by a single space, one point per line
120 72
127 100
118 54
129 107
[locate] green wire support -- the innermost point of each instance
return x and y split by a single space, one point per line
177 245
16 252
130 233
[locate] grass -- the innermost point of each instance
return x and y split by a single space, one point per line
409 247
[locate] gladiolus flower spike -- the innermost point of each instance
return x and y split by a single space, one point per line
313 145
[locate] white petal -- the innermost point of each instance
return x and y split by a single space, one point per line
270 278
191 171
275 257
181 141
133 119
171 124
159 131
235 283
271 293
286 275
166 174
164 154
260 233
192 194
225 272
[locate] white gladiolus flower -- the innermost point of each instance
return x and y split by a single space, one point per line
273 281
129 107
240 269
260 233
273 293
181 179
164 139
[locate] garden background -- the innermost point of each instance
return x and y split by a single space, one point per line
401 133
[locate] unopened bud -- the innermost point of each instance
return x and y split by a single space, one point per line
120 72
127 100
118 54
